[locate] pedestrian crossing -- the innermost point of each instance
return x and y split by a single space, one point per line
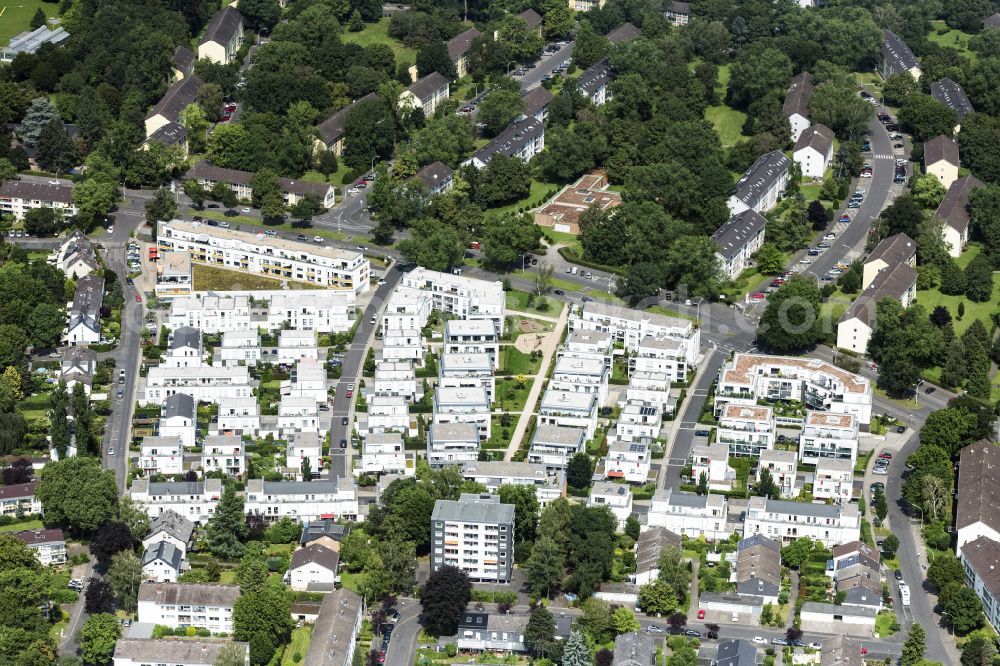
884 156
839 227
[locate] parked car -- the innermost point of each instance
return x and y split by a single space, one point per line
779 641
245 210
701 613
898 574
759 640
843 219
344 420
885 455
901 429
653 629
301 237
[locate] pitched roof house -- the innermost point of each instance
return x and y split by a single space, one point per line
953 96
954 211
978 493
796 104
941 159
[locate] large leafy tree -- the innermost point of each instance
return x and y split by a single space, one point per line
77 494
125 576
443 598
110 538
227 528
755 73
508 237
98 637
540 634
926 117
525 501
433 57
791 320
963 607
546 566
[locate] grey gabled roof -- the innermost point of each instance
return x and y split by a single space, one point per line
761 174
979 486
897 53
173 650
736 653
333 634
473 508
332 129
170 134
983 555
992 21
510 141
317 554
954 208
740 228
434 174
176 99
651 545
173 524
896 249
163 550
819 137
817 607
427 85
223 26
178 404
317 487
890 282
209 171
800 91
87 301
317 529
953 96
624 33
36 189
186 336
535 100
940 148
459 44
531 17
183 59
195 594
595 76
634 649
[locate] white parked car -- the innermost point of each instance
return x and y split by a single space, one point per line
759 640
830 237
805 260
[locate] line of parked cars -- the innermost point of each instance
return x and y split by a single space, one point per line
386 630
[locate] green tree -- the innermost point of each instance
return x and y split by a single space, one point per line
525 501
524 43
230 655
209 98
540 633
77 494
926 117
546 566
978 651
579 471
979 279
674 571
369 133
841 109
433 57
589 47
791 320
433 245
576 652
42 222
260 14
39 114
702 484
624 621
443 598
56 151
890 545
766 487
964 608
161 207
632 527
499 107
94 197
879 504
97 638
227 528
505 239
503 180
755 73
38 19
125 575
557 19
796 553
263 618
927 190
657 598
944 570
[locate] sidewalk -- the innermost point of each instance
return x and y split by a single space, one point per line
548 351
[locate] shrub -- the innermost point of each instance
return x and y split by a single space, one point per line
296 658
204 633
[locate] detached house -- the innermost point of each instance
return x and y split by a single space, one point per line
47 544
796 105
314 569
941 159
496 632
222 37
689 514
78 366
182 64
85 312
172 528
179 418
895 57
738 240
436 176
458 51
161 562
953 96
19 499
678 13
814 150
76 257
760 187
954 211
758 568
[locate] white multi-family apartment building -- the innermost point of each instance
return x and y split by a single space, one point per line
48 545
786 521
667 356
396 378
630 327
629 461
638 422
406 308
212 313
761 185
473 336
746 429
581 343
179 418
834 479
323 311
475 534
689 514
548 485
192 500
829 435
386 413
161 455
188 652
981 560
294 345
302 500
223 453
783 466
307 379
978 480
569 409
464 297
385 453
652 388
553 445
712 460
615 496
268 256
205 384
20 499
585 375
819 385
17 197
463 405
452 444
303 445
402 344
179 605
240 348
295 413
237 416
467 371
184 349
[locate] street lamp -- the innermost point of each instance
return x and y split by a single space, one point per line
921 515
951 627
611 283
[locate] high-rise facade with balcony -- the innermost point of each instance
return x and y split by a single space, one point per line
475 534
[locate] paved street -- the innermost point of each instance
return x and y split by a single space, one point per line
403 645
545 65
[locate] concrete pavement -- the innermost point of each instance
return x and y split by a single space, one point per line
403 645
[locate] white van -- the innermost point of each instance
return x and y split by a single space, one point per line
573 270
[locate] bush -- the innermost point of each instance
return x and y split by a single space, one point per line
204 633
451 649
296 658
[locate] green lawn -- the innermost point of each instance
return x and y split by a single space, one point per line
515 362
971 252
931 298
222 279
34 407
511 396
15 16
518 300
955 39
23 525
378 33
299 645
227 576
659 309
884 622
728 123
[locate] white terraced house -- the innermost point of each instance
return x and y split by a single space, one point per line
294 346
386 413
828 435
396 378
630 327
712 460
184 349
583 375
402 344
661 355
834 479
161 455
464 297
189 652
452 444
198 605
638 422
746 429
615 496
467 371
786 521
179 418
278 258
301 446
48 545
192 500
473 336
237 416
223 453
819 385
296 413
463 405
205 384
406 308
548 485
586 344
652 388
323 311
553 446
307 379
689 514
476 534
783 466
629 461
212 313
572 410
240 348
385 453
302 501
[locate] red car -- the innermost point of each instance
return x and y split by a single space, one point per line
350 393
844 218
701 613
138 298
885 455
